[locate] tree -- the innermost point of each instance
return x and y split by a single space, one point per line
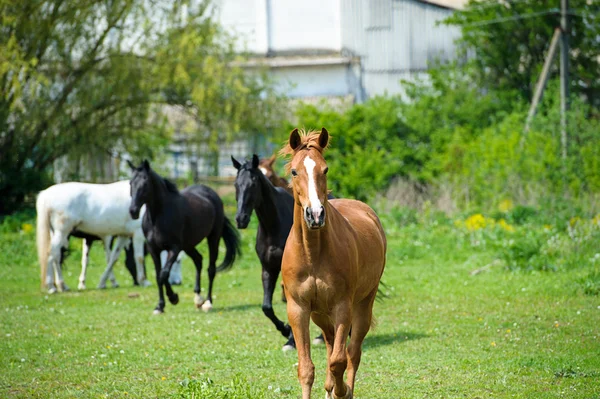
83 76
508 41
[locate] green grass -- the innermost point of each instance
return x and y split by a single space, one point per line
442 332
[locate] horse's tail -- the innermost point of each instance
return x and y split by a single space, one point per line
42 235
232 243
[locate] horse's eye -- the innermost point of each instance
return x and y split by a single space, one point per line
326 170
294 173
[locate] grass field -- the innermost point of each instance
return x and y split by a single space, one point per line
443 332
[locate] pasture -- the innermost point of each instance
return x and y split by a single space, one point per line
442 332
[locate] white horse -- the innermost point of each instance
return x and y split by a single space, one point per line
98 209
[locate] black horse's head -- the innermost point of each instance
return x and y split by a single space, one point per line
248 192
140 187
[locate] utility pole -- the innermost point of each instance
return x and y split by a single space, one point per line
564 76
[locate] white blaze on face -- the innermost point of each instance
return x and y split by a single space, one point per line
263 170
315 203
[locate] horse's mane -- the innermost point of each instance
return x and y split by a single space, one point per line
309 139
170 186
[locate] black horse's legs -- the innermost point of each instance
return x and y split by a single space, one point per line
213 251
197 259
269 280
160 308
164 276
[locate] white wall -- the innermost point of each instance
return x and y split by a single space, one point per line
283 25
306 24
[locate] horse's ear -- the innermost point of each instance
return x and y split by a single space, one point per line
235 163
295 139
272 159
255 161
131 165
146 165
323 138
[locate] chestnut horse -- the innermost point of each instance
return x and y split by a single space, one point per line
332 263
266 167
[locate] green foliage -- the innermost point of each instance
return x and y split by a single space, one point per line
368 146
507 43
590 284
83 78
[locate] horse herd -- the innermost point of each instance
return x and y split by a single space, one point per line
330 252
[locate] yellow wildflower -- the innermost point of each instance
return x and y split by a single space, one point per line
502 223
26 228
475 222
493 343
163 378
574 220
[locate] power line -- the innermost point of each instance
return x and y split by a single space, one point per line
512 18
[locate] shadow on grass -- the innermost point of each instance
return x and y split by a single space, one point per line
376 340
239 308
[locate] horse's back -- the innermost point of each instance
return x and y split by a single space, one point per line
205 209
93 208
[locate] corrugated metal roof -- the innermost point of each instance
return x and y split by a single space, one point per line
454 4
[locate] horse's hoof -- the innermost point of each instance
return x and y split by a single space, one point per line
318 340
81 286
198 301
101 286
115 285
52 290
207 306
348 394
62 287
174 299
176 282
158 312
288 347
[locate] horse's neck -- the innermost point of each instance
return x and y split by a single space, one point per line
266 211
157 201
311 240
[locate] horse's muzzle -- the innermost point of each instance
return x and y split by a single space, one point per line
315 218
242 220
134 212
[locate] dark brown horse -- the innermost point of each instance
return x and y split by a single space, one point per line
177 221
332 264
266 167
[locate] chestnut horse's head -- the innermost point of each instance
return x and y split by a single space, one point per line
266 167
309 174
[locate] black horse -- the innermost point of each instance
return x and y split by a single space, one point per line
177 221
274 208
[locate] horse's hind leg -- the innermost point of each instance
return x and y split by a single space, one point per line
85 256
213 251
58 240
108 273
197 259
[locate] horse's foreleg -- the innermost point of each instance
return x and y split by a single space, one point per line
54 277
269 280
164 276
108 273
338 361
300 322
155 254
197 259
361 323
85 256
